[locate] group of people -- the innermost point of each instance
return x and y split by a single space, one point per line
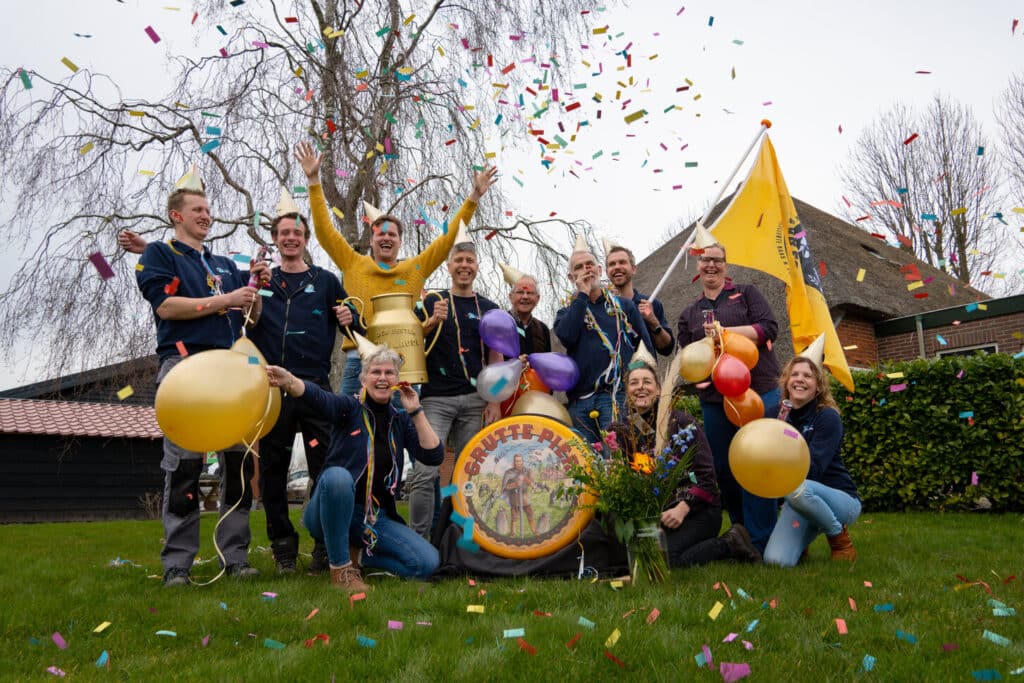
357 440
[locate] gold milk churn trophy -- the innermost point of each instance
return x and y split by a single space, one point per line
395 325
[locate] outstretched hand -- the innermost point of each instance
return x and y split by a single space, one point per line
132 242
482 181
309 160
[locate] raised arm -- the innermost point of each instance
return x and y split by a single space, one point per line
437 251
333 242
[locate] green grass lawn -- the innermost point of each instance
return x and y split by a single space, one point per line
902 603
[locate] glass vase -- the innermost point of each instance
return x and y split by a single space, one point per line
647 551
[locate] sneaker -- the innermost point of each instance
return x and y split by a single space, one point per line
176 576
285 550
285 567
348 578
740 546
242 570
319 564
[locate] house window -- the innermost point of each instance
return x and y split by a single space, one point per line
970 350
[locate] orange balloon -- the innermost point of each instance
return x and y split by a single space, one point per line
736 344
528 381
744 408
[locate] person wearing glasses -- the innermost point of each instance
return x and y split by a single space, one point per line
741 309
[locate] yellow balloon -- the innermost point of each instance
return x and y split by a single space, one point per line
246 346
535 402
210 400
769 458
269 419
698 360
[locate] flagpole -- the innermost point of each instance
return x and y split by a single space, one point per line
765 125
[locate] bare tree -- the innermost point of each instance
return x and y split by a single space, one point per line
402 101
1010 117
928 179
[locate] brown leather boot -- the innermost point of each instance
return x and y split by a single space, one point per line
842 546
348 578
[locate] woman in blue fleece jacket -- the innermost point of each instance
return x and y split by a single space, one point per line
352 509
827 501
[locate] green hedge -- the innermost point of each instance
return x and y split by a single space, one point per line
916 449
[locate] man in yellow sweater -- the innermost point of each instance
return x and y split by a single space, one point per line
381 272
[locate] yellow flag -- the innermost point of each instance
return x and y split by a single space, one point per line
760 230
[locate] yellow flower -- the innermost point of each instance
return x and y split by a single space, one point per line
641 462
594 414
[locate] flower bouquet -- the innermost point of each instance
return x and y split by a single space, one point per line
631 490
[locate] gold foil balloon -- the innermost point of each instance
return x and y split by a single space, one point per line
210 400
538 403
269 418
769 458
697 361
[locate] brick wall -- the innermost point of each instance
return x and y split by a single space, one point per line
854 331
1006 331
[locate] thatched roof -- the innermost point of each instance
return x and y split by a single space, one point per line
845 249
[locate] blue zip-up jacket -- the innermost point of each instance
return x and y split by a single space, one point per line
297 328
583 344
349 436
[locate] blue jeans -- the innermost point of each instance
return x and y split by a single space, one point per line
755 513
586 426
333 518
350 384
810 510
460 416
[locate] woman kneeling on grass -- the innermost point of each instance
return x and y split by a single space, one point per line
827 501
352 509
693 518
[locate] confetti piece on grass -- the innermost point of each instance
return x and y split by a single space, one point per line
55 671
715 611
653 616
354 598
885 607
395 625
903 635
59 641
986 675
586 623
996 638
272 644
523 645
868 663
733 672
575 639
102 627
613 638
615 659
103 660
169 634
841 627
366 642
475 609
514 632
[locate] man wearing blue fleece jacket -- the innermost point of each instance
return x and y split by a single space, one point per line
297 331
600 331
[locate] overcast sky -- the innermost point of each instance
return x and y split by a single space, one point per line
809 67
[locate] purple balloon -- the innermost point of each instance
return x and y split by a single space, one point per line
498 330
557 370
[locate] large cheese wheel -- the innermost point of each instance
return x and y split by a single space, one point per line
507 479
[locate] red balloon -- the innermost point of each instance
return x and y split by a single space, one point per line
744 408
528 381
730 376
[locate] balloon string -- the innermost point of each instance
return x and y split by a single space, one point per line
241 476
437 332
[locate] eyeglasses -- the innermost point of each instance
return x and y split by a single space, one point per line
712 259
